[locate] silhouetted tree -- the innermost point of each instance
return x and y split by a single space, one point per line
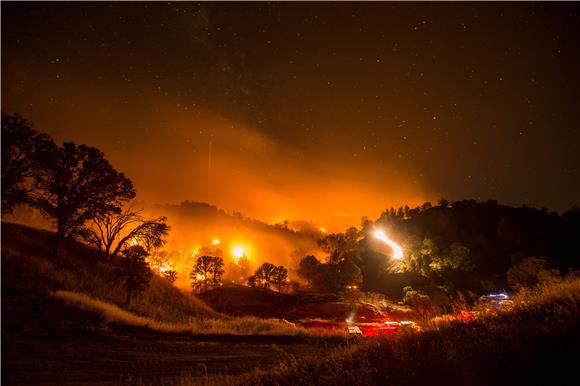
443 202
283 225
111 232
20 146
263 276
366 224
170 275
348 274
206 272
280 277
400 213
330 276
78 184
340 245
413 213
309 269
135 270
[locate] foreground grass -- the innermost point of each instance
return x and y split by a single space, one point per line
534 345
233 326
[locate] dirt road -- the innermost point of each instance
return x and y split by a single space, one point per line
140 358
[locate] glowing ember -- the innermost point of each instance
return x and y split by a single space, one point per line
216 241
397 251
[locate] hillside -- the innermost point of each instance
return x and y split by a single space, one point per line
497 235
64 321
77 289
199 226
28 273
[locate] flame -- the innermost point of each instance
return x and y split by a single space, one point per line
323 230
164 268
160 266
238 252
216 241
397 250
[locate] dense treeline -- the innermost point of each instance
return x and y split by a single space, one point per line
464 244
496 235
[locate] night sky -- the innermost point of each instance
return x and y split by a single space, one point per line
312 111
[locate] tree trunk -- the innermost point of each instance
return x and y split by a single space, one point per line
56 244
107 253
128 298
113 255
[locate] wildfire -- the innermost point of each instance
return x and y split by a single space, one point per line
323 230
165 267
159 265
132 242
216 241
239 252
397 250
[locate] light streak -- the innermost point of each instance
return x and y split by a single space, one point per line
397 250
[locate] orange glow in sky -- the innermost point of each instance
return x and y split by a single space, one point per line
310 182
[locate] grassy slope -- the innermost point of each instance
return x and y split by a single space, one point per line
27 270
33 284
537 344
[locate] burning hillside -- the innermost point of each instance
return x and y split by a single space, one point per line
201 229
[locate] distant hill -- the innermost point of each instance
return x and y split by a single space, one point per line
497 235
